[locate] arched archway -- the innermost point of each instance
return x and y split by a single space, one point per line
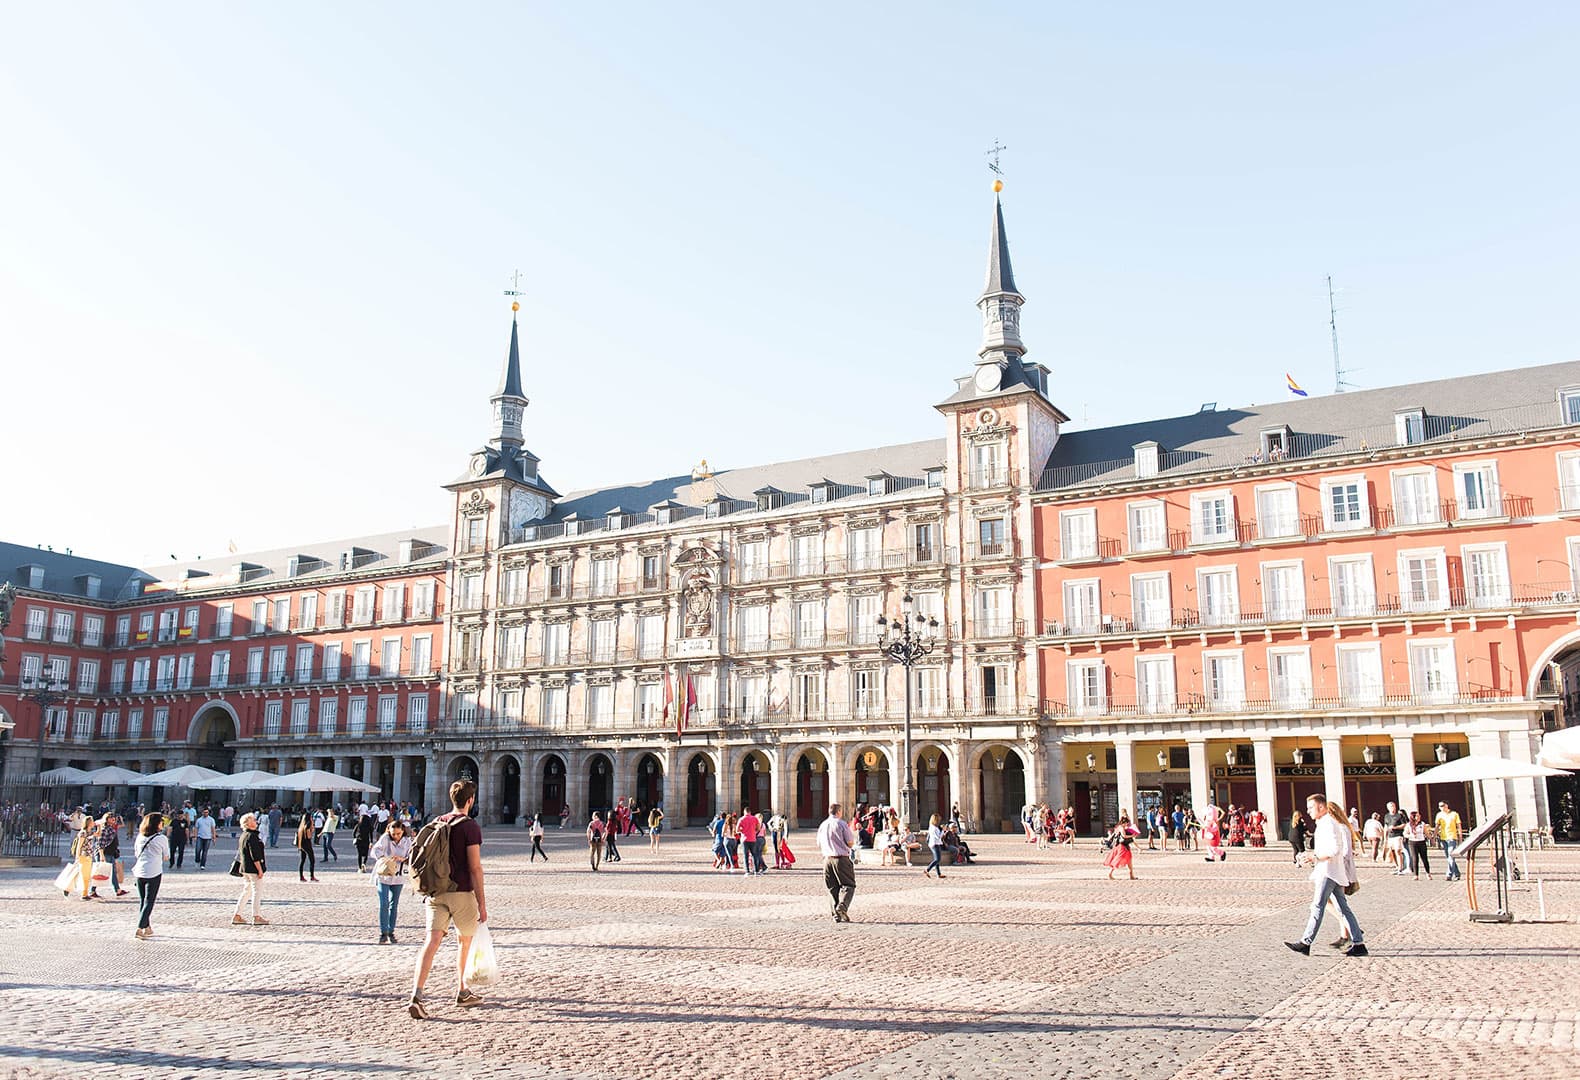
933 787
701 790
600 785
461 768
553 799
872 781
756 782
209 737
1555 681
1001 790
649 782
509 781
811 787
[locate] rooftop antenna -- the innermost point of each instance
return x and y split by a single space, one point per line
1339 382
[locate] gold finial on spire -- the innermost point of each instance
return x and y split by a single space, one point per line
993 166
515 290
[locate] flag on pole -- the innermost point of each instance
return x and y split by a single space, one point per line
1294 387
669 699
688 702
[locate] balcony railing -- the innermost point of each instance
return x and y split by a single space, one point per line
1384 697
1537 595
1090 549
734 716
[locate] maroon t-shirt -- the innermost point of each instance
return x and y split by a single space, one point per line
465 833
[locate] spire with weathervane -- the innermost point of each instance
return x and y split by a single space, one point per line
508 401
1000 301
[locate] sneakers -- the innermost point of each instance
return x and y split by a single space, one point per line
841 915
393 941
1301 947
1357 950
466 998
1339 943
416 1009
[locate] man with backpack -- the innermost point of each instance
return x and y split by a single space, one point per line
447 870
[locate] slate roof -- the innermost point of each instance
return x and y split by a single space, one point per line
1463 407
379 551
510 378
61 571
1000 274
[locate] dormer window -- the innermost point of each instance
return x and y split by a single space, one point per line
879 484
618 519
664 515
33 576
1409 427
1275 444
572 527
1569 403
822 491
769 498
1147 454
713 509
935 477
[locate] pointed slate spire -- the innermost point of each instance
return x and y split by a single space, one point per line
510 378
1000 274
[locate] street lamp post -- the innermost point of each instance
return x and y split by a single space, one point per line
907 640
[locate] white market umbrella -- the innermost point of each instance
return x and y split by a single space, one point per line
1477 767
114 775
310 780
65 776
1561 749
187 776
249 780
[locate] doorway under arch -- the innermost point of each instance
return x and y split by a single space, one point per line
701 790
509 781
649 782
933 787
811 788
553 800
600 785
756 787
1001 789
212 732
872 778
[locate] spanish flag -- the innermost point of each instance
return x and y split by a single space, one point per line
1294 387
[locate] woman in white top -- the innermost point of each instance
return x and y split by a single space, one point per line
389 853
537 839
150 855
935 841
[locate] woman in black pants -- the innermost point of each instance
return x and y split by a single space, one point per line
1297 834
367 824
151 853
304 845
1415 838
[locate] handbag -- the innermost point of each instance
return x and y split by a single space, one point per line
235 867
1352 888
386 866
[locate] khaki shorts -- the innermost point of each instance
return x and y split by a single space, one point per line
457 907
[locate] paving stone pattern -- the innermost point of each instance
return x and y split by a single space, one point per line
1031 964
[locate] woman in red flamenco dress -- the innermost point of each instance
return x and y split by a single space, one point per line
1119 856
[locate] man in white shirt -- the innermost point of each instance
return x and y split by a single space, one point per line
1333 869
836 840
204 830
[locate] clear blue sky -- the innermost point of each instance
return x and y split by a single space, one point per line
252 255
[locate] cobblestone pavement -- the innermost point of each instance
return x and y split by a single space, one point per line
1031 964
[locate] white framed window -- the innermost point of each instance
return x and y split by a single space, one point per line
1087 681
866 549
223 615
864 611
392 603
866 692
254 667
301 716
1476 488
806 554
332 660
1423 580
1345 507
189 623
1149 601
513 647
93 630
389 656
335 609
361 659
753 563
110 724
600 705
1569 479
554 703
123 628
118 674
273 712
357 715
276 664
307 610
1283 591
1083 606
930 605
649 703
389 709
1360 674
993 613
282 615
1212 517
422 655
1353 586
556 643
219 669
513 586
1155 684
988 468
165 673
808 623
927 691
260 617
1414 496
924 542
184 665
806 689
87 676
134 724
1289 676
1147 524
304 663
1569 404
1219 596
33 668
37 620
1223 679
1433 680
1486 568
1077 535
603 577
1574 563
328 715
751 691
998 694
1277 512
650 633
362 601
422 600
145 626
162 722
601 640
82 725
64 620
417 712
1409 427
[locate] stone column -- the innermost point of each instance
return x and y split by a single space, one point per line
1125 769
398 785
436 791
370 775
836 776
1493 795
1333 769
674 789
1527 813
1200 793
1404 771
1267 785
783 783
962 779
338 766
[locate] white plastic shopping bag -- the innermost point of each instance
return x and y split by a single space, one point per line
70 879
102 873
482 966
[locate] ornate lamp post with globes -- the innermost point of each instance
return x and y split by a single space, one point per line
907 640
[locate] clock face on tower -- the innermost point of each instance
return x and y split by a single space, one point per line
479 464
526 506
988 378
